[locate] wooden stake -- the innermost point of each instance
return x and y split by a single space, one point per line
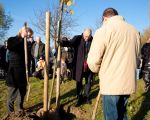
46 70
96 105
26 63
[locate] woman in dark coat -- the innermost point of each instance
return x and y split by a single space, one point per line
16 79
81 45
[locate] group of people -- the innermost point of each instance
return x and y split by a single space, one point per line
112 53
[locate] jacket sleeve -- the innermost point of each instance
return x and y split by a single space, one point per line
68 43
13 43
96 52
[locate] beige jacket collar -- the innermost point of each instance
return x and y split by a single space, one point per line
114 18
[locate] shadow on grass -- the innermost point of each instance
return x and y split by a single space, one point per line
145 107
69 96
38 106
93 93
66 115
35 107
95 90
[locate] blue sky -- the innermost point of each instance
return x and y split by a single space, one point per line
87 12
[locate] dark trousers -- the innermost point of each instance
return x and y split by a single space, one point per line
13 93
114 107
79 85
31 65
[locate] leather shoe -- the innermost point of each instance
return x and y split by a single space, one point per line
79 101
77 104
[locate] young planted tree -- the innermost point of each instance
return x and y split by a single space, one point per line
62 3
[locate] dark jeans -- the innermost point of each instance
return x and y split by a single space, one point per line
79 86
114 107
15 92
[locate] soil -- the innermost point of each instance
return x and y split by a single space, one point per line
69 114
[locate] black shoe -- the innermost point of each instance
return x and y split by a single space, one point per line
80 101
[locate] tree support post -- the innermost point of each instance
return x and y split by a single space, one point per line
46 68
26 64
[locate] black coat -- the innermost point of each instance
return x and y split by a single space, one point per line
3 63
16 71
145 54
79 53
41 51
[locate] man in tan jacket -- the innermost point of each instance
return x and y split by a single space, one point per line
113 54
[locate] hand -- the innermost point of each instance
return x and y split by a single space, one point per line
62 41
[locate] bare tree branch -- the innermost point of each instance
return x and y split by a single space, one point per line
68 23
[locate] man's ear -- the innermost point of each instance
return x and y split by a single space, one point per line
104 19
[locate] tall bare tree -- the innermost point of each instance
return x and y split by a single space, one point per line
5 23
68 22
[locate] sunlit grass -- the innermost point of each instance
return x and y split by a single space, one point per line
138 106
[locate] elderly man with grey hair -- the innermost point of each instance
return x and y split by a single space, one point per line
38 50
81 44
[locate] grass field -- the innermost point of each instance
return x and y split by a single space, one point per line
138 105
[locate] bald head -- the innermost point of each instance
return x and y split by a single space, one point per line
87 34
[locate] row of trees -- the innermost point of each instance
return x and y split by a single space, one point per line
5 23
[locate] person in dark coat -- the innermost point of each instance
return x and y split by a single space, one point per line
145 56
16 79
3 64
81 45
38 50
31 64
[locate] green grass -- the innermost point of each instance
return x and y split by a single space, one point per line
138 106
